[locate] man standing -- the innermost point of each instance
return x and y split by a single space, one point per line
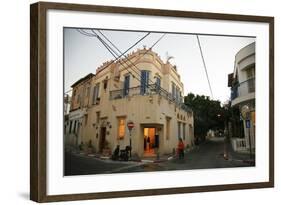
148 143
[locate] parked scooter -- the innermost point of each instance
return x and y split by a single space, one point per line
124 153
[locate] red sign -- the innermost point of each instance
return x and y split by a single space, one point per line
130 125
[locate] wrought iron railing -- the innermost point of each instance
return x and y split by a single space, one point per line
243 88
151 89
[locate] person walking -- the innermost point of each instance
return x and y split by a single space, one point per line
148 143
181 149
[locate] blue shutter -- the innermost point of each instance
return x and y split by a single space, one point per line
173 90
176 94
158 83
144 81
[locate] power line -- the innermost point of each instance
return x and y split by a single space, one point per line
205 67
132 63
93 34
129 66
115 54
122 54
85 33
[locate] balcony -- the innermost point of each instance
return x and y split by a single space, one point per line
151 89
242 90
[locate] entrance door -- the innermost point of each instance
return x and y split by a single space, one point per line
102 138
149 141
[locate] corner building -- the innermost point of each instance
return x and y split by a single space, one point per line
139 88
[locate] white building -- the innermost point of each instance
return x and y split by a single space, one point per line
242 83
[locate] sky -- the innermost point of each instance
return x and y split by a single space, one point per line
83 54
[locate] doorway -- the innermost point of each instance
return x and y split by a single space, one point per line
102 140
149 143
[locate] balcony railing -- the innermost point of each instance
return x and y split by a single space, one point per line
151 89
243 88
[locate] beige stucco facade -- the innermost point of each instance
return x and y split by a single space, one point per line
156 110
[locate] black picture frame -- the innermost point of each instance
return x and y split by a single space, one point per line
38 102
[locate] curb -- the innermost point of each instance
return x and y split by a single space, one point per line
133 160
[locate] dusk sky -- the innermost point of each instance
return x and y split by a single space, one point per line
84 54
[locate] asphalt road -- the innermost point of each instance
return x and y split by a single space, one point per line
209 155
76 164
206 156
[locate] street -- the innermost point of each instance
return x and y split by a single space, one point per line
208 155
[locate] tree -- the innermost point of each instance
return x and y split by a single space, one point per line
208 114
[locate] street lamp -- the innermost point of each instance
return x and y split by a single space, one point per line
245 111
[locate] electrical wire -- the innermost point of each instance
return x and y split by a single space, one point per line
205 67
115 54
122 54
132 63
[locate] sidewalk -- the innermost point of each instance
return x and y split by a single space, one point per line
237 156
148 159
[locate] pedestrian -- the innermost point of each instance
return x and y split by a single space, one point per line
181 149
148 143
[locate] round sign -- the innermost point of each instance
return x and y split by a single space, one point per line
130 125
244 111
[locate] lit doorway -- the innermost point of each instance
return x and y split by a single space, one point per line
149 143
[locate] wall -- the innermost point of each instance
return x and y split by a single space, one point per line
14 62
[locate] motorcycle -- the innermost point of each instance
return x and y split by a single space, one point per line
122 154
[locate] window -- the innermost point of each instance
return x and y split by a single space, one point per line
85 119
126 85
177 94
96 94
105 83
144 81
78 99
157 83
250 73
121 128
173 91
181 99
251 80
179 130
87 91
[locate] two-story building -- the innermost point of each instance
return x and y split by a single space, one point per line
141 89
78 107
242 83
